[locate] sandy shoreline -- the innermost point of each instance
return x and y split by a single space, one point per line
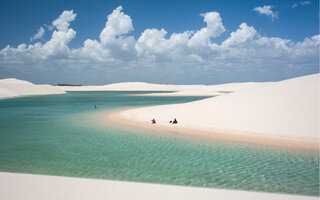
27 186
284 113
245 137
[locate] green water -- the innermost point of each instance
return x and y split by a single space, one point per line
58 135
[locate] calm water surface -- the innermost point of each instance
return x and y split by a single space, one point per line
56 135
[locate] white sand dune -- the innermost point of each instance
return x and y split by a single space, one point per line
286 108
197 92
38 187
127 86
181 90
14 88
208 90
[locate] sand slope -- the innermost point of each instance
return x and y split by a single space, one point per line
181 90
14 88
33 187
127 86
287 108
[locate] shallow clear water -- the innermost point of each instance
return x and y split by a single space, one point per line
57 135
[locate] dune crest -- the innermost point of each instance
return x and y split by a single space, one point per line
12 87
288 108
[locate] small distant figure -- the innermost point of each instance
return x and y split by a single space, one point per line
95 106
153 121
174 121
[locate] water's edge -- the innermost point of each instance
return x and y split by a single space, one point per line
56 135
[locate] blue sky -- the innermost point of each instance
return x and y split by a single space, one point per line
272 45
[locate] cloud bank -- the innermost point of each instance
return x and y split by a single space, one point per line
191 56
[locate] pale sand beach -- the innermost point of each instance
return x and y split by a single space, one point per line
198 92
284 113
208 90
11 87
216 134
176 90
33 187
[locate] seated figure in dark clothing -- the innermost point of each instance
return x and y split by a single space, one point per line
175 121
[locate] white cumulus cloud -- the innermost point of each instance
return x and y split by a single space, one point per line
152 41
57 46
243 34
117 26
38 35
267 10
62 22
188 55
214 29
115 34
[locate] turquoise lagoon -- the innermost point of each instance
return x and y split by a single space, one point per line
58 135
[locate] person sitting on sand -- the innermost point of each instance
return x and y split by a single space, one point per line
175 121
153 121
